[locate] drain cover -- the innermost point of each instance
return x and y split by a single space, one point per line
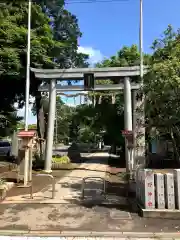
123 215
100 209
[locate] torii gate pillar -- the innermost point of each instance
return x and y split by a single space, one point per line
127 117
50 126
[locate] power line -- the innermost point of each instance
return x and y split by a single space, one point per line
94 1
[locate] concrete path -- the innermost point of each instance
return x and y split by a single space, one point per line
68 188
67 216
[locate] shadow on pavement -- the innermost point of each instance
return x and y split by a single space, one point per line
39 184
95 159
115 194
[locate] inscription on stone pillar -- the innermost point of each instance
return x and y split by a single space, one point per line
149 194
146 185
169 191
139 120
159 191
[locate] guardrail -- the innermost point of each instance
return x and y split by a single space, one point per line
53 184
83 185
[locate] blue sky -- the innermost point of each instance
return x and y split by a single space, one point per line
107 26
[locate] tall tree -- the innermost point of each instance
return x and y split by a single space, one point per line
65 28
52 39
13 46
114 117
64 114
162 87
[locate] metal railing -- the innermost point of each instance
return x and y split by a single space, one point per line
53 184
83 185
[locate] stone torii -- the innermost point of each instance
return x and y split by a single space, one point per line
124 75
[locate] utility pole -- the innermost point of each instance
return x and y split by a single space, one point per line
28 66
141 39
26 158
56 129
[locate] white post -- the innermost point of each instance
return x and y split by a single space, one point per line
28 67
56 129
141 39
26 158
127 115
50 127
139 104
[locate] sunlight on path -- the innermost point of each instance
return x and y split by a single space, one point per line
69 187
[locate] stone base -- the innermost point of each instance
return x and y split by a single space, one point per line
4 189
160 213
24 186
46 171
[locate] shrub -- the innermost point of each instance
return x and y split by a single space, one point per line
2 181
63 159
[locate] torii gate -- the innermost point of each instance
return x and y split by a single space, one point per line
124 74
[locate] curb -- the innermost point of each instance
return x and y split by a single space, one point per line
36 233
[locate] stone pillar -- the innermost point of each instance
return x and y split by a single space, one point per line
159 190
50 127
139 128
148 189
177 187
30 163
134 117
169 191
127 116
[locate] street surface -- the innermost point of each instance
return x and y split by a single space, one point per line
84 238
68 213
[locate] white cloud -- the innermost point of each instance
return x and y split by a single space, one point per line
94 54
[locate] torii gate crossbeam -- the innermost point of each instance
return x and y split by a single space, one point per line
52 75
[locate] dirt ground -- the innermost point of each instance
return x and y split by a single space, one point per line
73 217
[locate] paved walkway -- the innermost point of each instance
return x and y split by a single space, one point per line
68 188
66 215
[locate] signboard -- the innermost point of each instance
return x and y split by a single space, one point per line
89 81
127 132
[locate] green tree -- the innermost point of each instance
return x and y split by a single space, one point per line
8 120
112 115
162 86
64 114
13 39
53 45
